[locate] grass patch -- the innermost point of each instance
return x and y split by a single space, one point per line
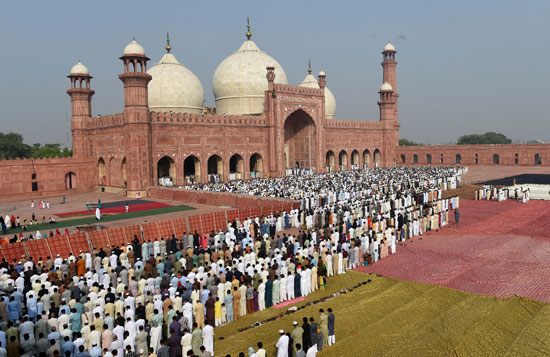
105 218
401 318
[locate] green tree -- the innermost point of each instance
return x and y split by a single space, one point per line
487 138
50 150
407 142
12 146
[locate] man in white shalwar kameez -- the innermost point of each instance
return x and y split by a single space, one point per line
208 339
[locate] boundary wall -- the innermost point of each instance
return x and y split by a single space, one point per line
472 155
216 198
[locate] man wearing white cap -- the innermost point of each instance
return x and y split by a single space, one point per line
282 344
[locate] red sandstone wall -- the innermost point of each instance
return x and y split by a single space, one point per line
203 141
16 176
510 155
217 198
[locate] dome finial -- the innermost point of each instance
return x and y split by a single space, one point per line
248 33
168 47
309 66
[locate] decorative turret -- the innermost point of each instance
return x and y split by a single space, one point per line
322 80
81 105
387 102
270 77
388 64
135 77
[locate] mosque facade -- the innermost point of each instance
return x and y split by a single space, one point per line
261 125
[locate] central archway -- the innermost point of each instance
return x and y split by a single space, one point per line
191 170
300 140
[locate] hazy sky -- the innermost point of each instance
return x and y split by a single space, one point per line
464 66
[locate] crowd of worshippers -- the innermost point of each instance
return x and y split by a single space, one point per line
499 193
136 299
380 181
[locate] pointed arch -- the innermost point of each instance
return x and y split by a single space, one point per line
299 140
538 159
343 160
236 167
377 158
330 158
124 173
215 168
101 172
366 159
191 170
256 166
70 180
166 171
355 159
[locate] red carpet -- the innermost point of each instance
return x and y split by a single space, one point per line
498 249
120 209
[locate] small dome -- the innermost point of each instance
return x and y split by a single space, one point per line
79 68
330 101
386 87
240 82
134 48
174 87
389 47
322 73
309 82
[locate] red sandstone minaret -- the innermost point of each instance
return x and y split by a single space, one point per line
81 107
389 64
139 156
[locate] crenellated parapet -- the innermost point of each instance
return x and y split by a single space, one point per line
41 161
105 121
354 124
287 88
207 119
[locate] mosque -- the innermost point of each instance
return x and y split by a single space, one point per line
261 125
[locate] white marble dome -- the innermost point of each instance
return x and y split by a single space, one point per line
330 104
79 68
174 87
385 87
240 82
330 101
134 48
389 47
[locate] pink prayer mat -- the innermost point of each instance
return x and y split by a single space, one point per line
289 302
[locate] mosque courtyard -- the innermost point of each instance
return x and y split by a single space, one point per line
479 287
